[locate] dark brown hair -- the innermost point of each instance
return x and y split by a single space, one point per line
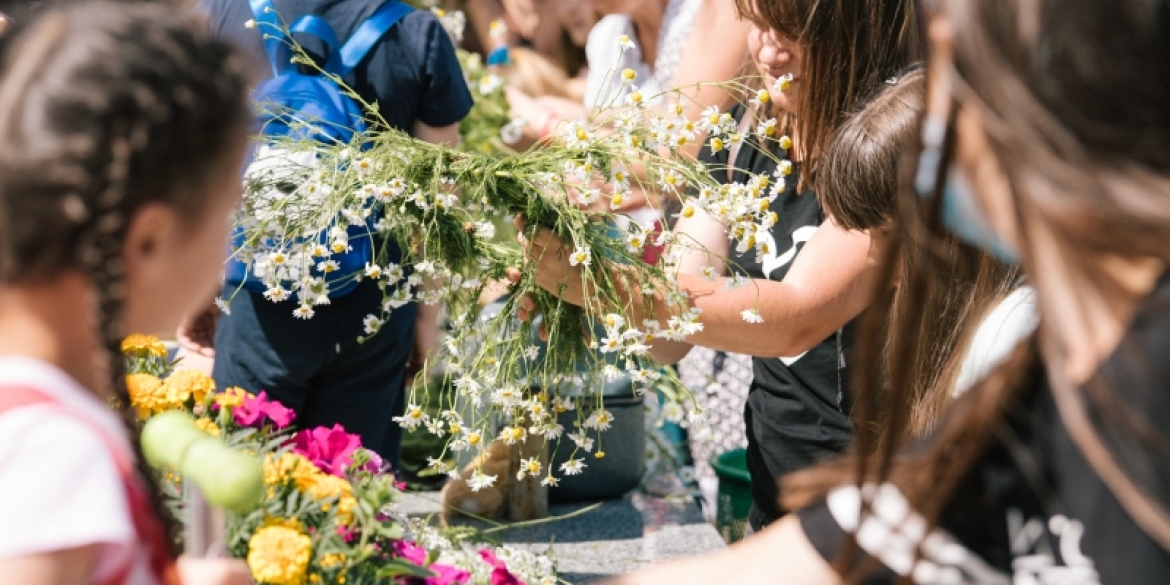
858 187
1085 145
105 107
849 46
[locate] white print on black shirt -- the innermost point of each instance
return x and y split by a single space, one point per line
893 531
772 260
1034 562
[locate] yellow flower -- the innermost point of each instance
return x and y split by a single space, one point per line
146 394
208 426
184 384
144 345
231 398
278 555
330 486
290 466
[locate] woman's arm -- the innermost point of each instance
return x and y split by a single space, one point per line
780 553
831 281
716 51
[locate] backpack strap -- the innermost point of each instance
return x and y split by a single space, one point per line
272 31
369 33
146 525
316 26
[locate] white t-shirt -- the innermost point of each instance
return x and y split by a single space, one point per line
603 84
1013 319
59 486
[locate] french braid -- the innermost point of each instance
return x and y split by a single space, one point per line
108 106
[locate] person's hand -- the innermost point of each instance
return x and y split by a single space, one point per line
193 571
548 255
196 333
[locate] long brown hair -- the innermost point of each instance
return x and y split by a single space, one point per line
850 46
1085 145
105 107
858 187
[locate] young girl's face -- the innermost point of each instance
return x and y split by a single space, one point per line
577 17
774 56
173 262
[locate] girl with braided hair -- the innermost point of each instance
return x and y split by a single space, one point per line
122 129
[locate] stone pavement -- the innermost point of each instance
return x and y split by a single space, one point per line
620 536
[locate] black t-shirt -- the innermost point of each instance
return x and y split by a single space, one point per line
797 413
1032 510
412 74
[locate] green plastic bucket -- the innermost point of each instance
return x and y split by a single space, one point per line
735 494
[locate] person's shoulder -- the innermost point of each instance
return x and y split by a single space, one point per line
46 456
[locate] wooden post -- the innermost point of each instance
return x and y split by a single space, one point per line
527 499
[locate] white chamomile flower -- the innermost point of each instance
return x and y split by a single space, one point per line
582 441
625 42
573 466
782 83
600 420
577 135
276 293
530 466
752 316
785 142
717 144
250 24
478 480
762 97
617 199
563 404
688 210
671 180
620 178
582 256
372 324
635 243
696 414
304 311
610 344
709 273
373 271
588 196
783 169
629 75
365 166
767 128
328 266
224 307
635 97
435 427
735 139
413 417
673 412
550 481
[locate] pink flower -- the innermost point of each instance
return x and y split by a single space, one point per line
445 575
500 574
329 449
257 409
411 552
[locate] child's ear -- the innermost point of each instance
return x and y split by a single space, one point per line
151 234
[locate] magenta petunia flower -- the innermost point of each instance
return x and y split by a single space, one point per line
411 552
333 449
500 573
257 410
445 575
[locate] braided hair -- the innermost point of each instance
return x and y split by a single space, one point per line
104 107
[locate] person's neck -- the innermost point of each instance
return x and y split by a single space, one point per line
51 321
647 19
1085 321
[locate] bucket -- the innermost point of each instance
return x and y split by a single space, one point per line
735 494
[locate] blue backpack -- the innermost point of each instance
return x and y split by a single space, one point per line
316 98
